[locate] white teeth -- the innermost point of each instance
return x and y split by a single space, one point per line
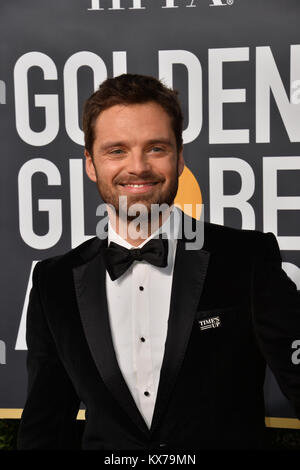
136 185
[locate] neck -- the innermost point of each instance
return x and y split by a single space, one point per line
136 230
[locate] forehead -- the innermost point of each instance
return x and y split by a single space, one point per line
124 120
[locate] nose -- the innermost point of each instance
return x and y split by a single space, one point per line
138 162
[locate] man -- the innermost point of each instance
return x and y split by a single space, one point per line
165 346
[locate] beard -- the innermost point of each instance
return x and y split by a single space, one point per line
110 195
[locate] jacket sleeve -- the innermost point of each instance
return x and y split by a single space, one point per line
49 417
276 318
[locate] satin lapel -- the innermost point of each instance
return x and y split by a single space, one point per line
188 279
90 288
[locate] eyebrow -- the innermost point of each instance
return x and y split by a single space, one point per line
108 145
158 140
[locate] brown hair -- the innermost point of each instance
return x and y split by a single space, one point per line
131 89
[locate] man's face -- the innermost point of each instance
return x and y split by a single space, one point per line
135 145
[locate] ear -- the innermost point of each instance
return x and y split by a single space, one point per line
180 163
89 166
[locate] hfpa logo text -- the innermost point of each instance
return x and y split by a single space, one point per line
98 5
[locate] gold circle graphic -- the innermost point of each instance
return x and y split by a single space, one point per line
189 194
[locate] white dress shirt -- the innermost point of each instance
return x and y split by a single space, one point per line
138 306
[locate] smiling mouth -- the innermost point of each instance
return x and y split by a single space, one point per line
138 185
138 188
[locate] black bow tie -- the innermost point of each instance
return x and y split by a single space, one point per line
118 258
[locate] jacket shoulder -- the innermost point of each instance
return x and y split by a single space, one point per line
229 239
74 257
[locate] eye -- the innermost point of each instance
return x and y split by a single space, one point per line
156 149
116 151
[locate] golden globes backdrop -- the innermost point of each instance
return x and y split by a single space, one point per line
236 64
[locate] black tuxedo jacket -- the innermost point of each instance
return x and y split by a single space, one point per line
210 393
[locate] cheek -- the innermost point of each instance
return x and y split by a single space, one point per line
168 169
162 165
107 171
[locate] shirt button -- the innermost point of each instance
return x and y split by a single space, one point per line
141 288
142 339
147 394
